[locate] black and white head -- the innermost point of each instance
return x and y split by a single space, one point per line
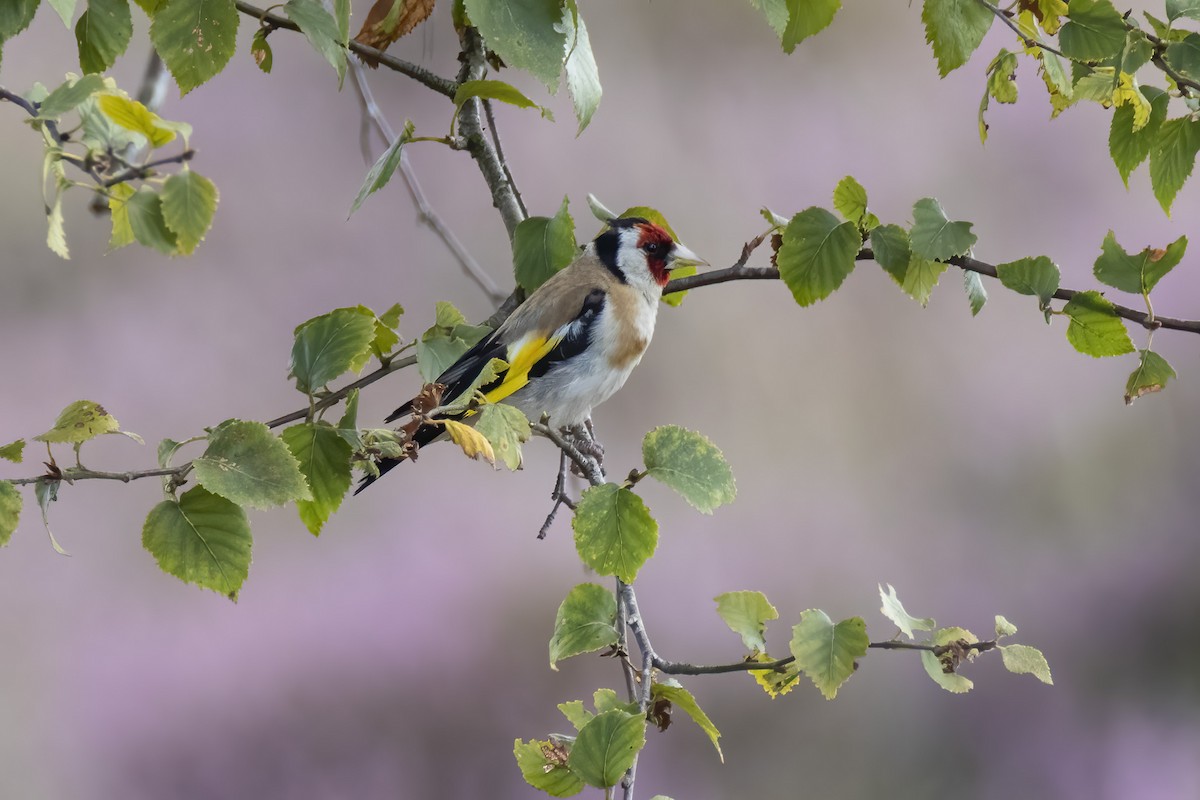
641 253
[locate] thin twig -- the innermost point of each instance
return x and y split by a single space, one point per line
73 474
425 211
494 132
146 170
442 86
1029 41
559 495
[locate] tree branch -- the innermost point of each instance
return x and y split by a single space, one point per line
678 668
442 86
1029 41
491 164
740 272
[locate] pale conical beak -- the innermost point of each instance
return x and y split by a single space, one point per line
683 257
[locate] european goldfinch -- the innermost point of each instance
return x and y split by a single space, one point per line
572 344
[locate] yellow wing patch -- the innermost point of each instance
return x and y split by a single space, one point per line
523 355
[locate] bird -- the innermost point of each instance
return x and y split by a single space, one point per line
575 340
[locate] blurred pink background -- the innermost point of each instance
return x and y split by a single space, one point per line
981 466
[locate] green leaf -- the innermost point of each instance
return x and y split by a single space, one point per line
542 246
1151 375
1129 147
64 8
1183 8
260 51
614 532
1095 329
826 652
495 90
746 614
69 95
15 16
189 201
79 422
328 346
202 539
381 172
976 293
850 199
607 700
324 458
817 254
776 12
1137 274
143 210
893 609
683 700
195 39
807 18
1032 276
541 771
607 746
505 428
13 451
246 464
690 464
118 207
955 29
1002 74
1025 660
321 31
583 76
10 510
1172 158
133 116
1004 627
934 236
890 245
1094 31
1185 56
526 34
920 278
341 12
103 33
46 492
575 713
937 668
151 7
56 234
586 622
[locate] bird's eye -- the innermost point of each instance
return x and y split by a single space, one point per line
651 247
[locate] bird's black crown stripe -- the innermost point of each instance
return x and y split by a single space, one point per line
609 241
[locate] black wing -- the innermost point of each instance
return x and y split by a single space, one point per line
458 376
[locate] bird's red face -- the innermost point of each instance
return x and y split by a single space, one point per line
656 244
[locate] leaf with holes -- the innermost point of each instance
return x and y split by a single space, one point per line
543 764
195 40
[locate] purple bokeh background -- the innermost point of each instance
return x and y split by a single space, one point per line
980 465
